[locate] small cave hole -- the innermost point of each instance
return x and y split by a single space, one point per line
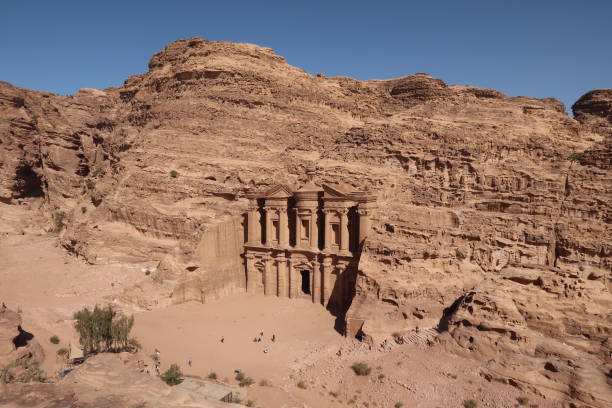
22 339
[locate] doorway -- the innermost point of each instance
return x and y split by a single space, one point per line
305 282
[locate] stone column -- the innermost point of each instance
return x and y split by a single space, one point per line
291 276
314 230
341 284
316 282
364 223
250 272
298 229
268 276
344 232
269 212
281 264
327 271
283 239
253 223
327 230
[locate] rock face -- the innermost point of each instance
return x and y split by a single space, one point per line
16 344
493 219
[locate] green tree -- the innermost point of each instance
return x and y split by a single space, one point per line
103 329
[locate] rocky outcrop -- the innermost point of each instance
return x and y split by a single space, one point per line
105 380
543 330
20 353
470 184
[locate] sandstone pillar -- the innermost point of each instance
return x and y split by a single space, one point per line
298 229
364 223
327 272
283 238
341 284
344 231
314 230
316 282
281 264
250 272
327 231
291 276
254 237
269 212
268 276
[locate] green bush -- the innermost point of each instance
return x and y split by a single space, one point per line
302 385
250 403
264 383
173 375
212 376
334 394
62 352
361 368
173 174
54 339
470 404
245 382
399 405
381 376
239 376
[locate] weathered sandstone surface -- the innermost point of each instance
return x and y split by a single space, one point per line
493 213
105 380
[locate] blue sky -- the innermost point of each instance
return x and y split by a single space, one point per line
559 49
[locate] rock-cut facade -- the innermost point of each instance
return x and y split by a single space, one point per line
305 243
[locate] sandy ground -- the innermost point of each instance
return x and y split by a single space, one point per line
48 285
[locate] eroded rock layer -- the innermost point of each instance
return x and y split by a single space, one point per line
495 209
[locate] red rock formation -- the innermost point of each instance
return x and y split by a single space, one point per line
471 184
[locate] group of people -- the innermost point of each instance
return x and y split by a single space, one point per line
256 339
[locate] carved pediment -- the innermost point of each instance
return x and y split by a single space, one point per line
278 191
336 191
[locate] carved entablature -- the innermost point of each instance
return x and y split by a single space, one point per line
321 228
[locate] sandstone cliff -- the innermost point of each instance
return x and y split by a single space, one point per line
492 209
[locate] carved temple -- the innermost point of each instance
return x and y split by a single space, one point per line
306 242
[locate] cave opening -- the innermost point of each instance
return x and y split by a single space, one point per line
22 339
28 182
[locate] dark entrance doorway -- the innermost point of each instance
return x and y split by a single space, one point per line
305 282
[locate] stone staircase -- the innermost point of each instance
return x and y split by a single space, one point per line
423 337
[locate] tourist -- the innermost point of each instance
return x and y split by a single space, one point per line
273 337
265 350
222 339
189 362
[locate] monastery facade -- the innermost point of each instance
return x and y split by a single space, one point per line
306 243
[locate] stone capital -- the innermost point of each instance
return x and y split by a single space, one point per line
364 211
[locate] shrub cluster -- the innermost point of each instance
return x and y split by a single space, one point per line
103 329
361 368
173 375
22 371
